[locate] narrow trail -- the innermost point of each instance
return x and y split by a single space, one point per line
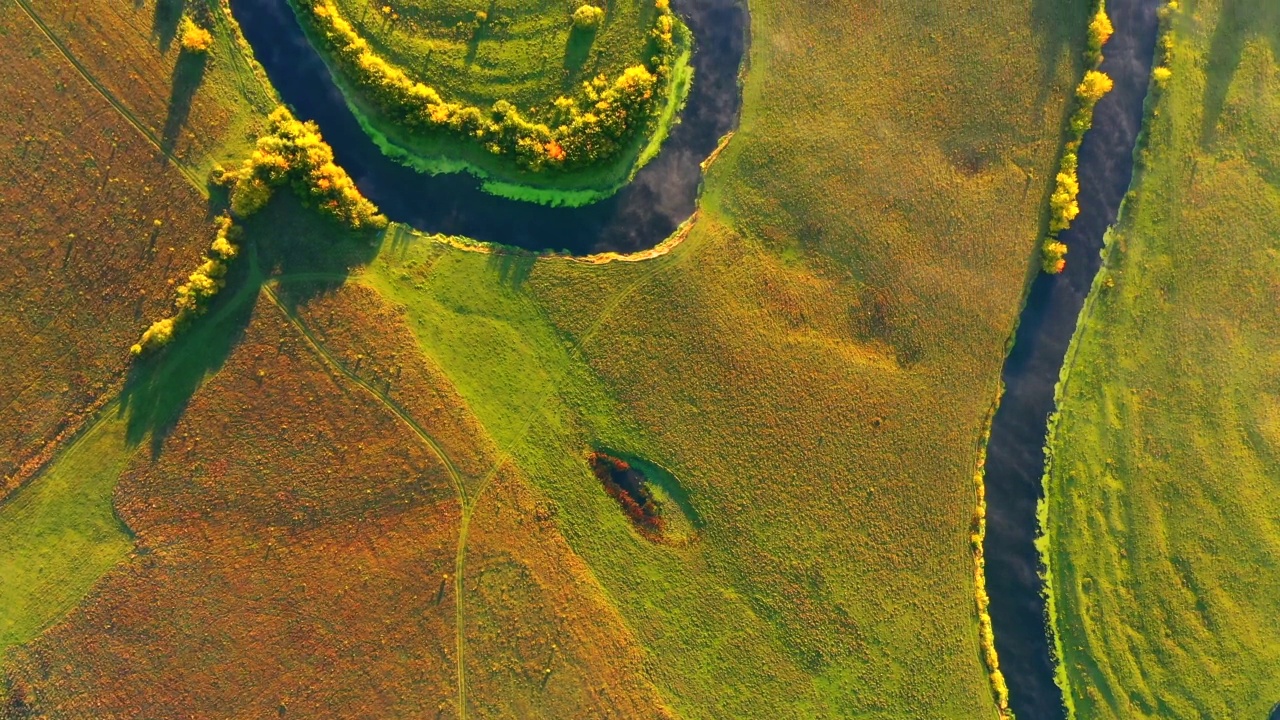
455 478
468 501
119 106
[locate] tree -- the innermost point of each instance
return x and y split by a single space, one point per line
588 17
195 39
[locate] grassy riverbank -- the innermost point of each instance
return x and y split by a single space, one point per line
1162 512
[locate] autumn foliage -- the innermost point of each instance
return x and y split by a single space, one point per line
593 124
587 17
194 39
1063 201
628 487
293 153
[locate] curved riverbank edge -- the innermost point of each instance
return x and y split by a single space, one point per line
466 244
982 601
641 215
1015 467
570 189
1045 539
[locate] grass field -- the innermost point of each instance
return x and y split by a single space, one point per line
1163 520
61 534
814 367
525 51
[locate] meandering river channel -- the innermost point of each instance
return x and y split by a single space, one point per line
1015 454
644 213
664 194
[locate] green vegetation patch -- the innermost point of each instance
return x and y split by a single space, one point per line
61 533
600 123
527 52
1163 494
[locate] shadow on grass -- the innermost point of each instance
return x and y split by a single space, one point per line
187 74
1061 29
576 52
1238 23
513 266
164 23
285 238
480 33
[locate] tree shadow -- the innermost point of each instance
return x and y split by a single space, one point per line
187 74
513 266
576 52
160 385
1238 22
285 238
1061 29
481 32
164 24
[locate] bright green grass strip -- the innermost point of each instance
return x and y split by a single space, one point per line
61 533
1161 518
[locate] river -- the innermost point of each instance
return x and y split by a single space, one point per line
1015 453
644 213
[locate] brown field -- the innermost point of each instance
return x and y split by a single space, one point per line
194 108
542 641
369 338
94 225
293 543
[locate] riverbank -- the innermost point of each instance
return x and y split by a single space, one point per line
1160 507
1015 461
661 197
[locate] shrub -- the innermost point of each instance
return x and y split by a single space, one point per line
1161 76
588 17
193 38
1091 89
1100 31
1053 256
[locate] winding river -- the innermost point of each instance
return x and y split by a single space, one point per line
664 194
1015 454
644 213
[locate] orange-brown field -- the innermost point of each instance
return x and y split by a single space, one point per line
286 558
104 224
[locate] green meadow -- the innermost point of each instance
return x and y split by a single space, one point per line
1162 519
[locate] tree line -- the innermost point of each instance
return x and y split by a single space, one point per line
592 125
1064 205
290 153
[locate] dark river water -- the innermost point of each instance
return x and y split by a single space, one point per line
1015 457
644 213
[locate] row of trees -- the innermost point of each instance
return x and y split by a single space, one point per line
290 153
581 130
1063 202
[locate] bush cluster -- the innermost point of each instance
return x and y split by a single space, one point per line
291 152
986 631
1164 53
193 38
192 298
591 126
1063 202
637 501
